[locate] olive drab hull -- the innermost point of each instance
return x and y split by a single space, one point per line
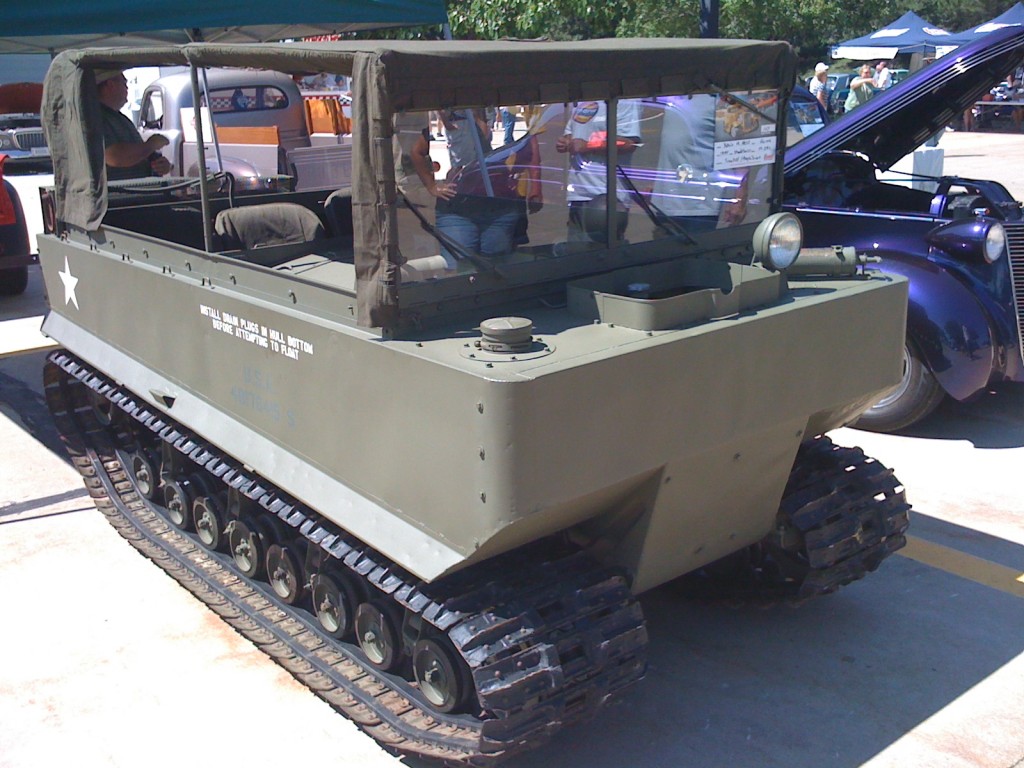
666 449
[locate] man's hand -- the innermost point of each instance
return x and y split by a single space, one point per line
159 164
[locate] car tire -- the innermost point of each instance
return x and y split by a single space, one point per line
13 282
916 396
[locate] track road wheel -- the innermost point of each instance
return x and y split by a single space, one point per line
916 396
210 521
285 574
247 546
443 677
143 474
334 602
178 503
102 409
377 630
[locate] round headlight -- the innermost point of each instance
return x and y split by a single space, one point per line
995 242
777 240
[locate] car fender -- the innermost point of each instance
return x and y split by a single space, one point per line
236 166
14 243
947 323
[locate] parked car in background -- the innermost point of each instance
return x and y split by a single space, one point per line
23 152
959 240
898 75
838 89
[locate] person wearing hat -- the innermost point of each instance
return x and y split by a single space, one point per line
126 154
819 84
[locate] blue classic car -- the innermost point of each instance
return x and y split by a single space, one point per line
960 241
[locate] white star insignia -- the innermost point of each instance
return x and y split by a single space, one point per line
70 281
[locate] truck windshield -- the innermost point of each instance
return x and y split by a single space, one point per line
482 186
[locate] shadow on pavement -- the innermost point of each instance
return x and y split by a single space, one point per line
833 682
32 302
993 420
21 397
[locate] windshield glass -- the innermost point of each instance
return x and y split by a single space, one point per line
486 186
805 117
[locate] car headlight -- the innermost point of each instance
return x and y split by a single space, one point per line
777 240
980 239
7 141
995 242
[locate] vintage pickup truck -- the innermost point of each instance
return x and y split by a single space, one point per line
263 133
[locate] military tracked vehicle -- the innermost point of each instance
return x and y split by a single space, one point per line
425 439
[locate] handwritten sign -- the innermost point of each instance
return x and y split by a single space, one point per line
744 153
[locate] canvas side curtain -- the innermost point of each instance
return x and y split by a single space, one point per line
373 194
74 131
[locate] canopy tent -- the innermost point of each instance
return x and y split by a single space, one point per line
908 34
48 26
1012 17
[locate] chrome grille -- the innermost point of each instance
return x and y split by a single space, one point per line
29 139
1015 245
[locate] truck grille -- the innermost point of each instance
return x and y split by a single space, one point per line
1015 245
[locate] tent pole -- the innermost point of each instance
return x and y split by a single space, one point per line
201 150
213 127
196 36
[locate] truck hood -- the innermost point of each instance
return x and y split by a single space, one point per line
898 120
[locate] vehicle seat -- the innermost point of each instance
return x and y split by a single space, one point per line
259 226
338 213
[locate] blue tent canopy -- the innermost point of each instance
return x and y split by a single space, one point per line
1012 17
908 34
53 25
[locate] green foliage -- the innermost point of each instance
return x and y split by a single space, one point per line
557 19
661 18
810 25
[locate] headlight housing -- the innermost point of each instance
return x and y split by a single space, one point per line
777 240
995 242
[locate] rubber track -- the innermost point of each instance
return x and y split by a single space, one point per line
848 512
547 640
841 515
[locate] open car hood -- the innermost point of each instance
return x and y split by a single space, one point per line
898 120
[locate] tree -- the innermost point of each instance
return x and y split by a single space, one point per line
812 26
556 19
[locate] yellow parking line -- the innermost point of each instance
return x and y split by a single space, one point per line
966 566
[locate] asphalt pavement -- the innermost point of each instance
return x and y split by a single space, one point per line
105 661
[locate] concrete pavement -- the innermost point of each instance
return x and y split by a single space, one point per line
996 156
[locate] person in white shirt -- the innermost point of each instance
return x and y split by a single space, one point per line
586 139
819 84
883 77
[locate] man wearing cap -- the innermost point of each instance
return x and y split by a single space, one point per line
819 84
126 154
